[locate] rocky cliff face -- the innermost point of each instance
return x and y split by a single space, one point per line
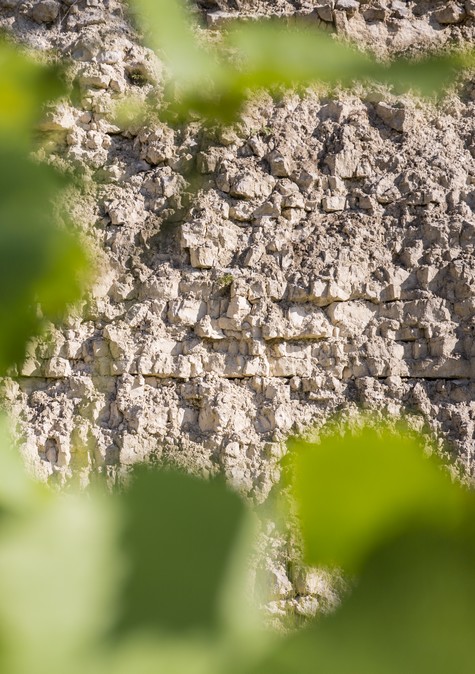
326 262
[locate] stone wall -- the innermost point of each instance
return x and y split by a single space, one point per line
325 262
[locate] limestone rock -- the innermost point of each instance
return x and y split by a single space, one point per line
334 203
281 166
347 6
394 117
450 13
45 11
9 4
325 12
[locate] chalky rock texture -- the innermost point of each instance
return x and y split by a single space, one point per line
326 262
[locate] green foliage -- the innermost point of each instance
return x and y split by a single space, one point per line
41 264
411 611
215 81
154 578
225 280
137 581
371 502
178 537
43 267
56 575
359 488
25 87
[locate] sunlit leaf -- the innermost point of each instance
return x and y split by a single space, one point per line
25 86
357 489
427 75
411 611
42 266
272 54
216 81
154 655
179 537
58 572
168 28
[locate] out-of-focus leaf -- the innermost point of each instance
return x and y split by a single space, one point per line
168 28
412 611
42 266
65 275
25 86
428 75
58 573
271 55
353 491
179 537
148 654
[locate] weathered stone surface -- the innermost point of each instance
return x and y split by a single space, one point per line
45 11
348 6
334 203
325 12
324 263
394 117
9 4
450 13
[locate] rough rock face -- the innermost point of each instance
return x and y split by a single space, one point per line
324 264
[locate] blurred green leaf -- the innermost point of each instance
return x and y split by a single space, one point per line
149 656
179 537
370 501
58 571
426 75
25 87
215 81
411 611
357 489
271 54
42 266
168 28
